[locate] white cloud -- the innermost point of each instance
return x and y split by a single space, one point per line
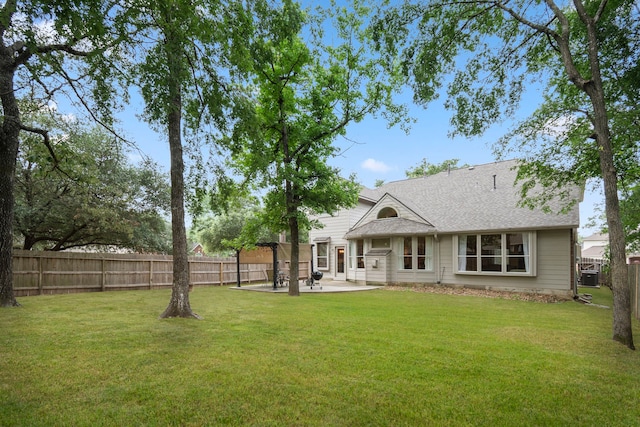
135 158
559 127
375 166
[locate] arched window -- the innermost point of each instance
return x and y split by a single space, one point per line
387 213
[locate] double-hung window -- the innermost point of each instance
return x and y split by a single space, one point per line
503 253
415 253
425 253
356 254
323 256
407 254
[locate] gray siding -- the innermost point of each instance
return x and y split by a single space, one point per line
552 257
378 269
553 267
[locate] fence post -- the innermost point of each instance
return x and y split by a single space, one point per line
150 274
40 285
104 276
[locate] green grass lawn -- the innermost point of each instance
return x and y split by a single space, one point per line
387 358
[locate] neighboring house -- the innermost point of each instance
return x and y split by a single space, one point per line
594 247
197 250
462 227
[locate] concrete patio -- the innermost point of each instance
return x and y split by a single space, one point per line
323 286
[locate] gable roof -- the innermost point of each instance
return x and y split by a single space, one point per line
390 227
479 198
597 237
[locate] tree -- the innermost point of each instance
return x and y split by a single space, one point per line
588 54
46 47
181 73
164 74
425 168
234 229
92 197
305 94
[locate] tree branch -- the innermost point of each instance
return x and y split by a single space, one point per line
538 27
61 47
471 18
598 15
46 140
89 109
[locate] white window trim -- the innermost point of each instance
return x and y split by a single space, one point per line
414 254
532 256
318 256
353 257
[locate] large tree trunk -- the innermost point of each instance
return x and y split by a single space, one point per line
294 287
8 154
9 134
179 305
622 329
590 82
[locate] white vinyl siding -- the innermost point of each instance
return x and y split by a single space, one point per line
335 227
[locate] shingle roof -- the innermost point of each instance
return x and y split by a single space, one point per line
597 237
369 194
593 252
389 227
466 200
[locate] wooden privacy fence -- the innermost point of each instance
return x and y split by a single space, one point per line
592 264
36 273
